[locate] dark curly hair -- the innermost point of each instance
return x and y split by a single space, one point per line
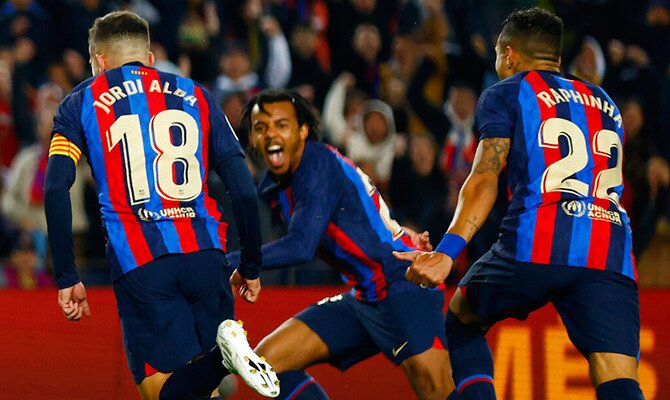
304 110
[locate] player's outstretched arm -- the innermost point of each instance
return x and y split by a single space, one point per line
475 201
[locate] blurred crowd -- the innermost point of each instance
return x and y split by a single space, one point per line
396 83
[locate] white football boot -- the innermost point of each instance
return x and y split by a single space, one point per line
240 359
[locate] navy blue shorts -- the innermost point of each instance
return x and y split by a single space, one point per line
600 309
405 323
170 309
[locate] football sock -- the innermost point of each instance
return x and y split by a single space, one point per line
619 389
298 385
453 396
195 380
471 360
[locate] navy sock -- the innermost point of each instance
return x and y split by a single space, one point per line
195 380
471 360
453 396
298 385
619 389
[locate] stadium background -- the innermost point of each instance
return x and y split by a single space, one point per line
427 59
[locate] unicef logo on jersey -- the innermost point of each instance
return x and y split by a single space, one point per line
574 208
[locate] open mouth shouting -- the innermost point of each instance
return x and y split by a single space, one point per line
275 156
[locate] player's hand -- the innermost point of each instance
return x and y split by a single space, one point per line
72 301
420 240
249 289
427 269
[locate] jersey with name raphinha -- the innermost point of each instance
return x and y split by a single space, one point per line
564 169
150 138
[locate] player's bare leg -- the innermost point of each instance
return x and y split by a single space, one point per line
429 373
617 373
293 346
605 367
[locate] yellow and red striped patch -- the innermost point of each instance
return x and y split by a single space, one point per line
61 146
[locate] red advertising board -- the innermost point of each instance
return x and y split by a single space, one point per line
45 356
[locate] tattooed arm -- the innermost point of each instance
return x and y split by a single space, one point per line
475 201
480 190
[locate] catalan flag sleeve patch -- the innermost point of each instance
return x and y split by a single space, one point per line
60 145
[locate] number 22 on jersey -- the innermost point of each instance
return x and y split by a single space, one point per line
126 131
558 176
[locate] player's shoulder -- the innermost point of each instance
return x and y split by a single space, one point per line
592 87
318 165
71 105
506 88
318 158
172 76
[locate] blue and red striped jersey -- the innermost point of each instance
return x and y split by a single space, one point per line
150 138
333 210
564 171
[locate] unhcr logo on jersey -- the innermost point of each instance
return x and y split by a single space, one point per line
174 212
574 208
579 208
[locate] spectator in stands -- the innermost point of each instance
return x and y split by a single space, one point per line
654 34
164 64
23 201
76 66
377 143
417 188
236 73
9 142
589 64
8 232
364 64
630 73
460 145
356 12
198 38
21 270
316 14
78 17
26 21
640 200
342 110
307 72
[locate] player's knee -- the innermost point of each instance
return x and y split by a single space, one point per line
430 379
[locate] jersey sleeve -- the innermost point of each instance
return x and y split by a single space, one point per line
315 195
67 121
493 117
223 140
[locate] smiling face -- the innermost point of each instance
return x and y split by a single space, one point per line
275 133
